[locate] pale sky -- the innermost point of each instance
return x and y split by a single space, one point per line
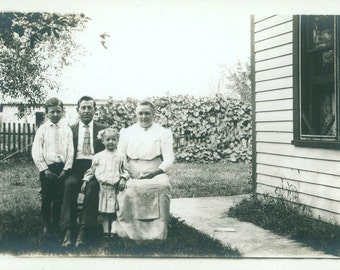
159 47
153 50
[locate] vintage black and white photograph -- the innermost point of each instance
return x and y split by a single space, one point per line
154 132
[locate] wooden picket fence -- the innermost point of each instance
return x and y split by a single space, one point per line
16 140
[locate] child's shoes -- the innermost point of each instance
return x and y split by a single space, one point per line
113 227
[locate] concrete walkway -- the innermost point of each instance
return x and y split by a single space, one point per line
208 215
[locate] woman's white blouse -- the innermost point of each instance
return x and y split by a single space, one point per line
147 143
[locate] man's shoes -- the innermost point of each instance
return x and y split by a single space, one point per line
67 239
80 244
81 238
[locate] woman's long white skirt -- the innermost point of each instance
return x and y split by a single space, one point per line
144 206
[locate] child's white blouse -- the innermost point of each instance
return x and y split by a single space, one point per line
107 167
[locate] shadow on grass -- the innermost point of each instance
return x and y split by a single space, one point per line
182 241
20 223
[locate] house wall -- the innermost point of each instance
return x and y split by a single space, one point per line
309 176
10 114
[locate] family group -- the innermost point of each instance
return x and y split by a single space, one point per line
121 174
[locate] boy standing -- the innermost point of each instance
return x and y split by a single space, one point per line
52 153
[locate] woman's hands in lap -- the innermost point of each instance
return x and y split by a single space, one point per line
151 174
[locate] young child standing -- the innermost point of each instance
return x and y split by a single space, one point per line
109 170
52 153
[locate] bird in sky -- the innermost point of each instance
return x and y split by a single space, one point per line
103 37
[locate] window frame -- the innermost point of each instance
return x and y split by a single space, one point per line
298 139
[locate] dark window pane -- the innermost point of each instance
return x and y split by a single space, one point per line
318 91
322 30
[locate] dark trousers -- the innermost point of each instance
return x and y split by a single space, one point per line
72 184
52 195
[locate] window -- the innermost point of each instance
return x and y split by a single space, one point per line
316 89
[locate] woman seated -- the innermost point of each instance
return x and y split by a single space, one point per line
145 203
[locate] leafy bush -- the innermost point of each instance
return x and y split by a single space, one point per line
206 129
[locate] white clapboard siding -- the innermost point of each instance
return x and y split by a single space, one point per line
274 73
326 216
270 22
300 163
274 31
326 192
318 179
291 150
279 105
274 137
274 116
313 172
263 17
274 52
274 41
280 61
274 126
317 213
274 84
330 206
276 94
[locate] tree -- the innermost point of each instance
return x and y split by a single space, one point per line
234 82
34 48
239 80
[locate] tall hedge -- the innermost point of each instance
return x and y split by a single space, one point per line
206 129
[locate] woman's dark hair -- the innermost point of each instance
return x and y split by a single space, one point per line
53 102
86 98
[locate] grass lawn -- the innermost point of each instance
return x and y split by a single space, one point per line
20 219
182 242
204 180
284 218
